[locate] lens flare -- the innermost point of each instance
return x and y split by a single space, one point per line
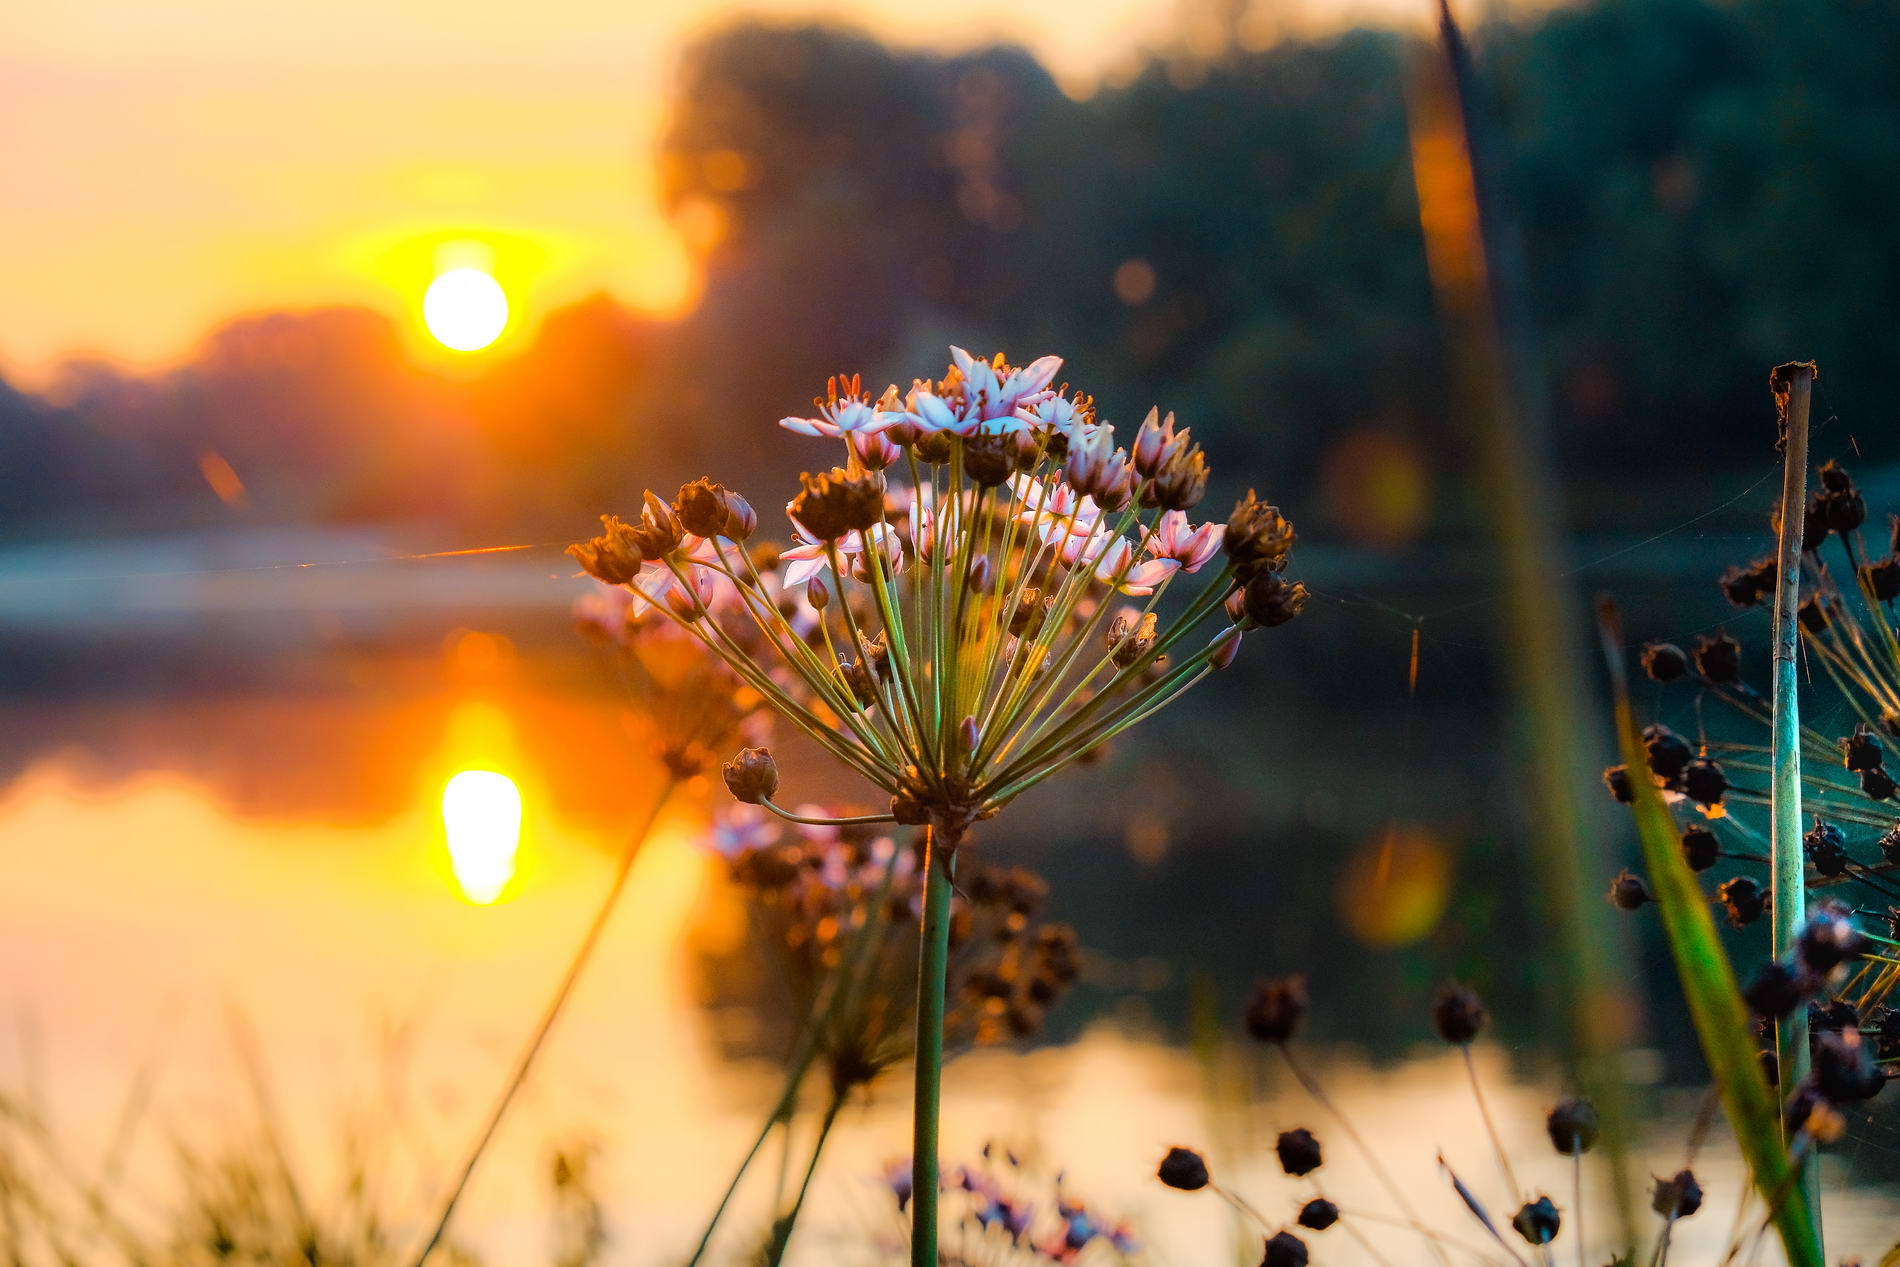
465 309
481 811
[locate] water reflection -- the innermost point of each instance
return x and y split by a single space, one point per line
481 815
137 911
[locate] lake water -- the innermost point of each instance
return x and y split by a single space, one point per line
206 852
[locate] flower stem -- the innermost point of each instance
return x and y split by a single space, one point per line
933 958
782 1229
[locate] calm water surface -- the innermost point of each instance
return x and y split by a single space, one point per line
187 876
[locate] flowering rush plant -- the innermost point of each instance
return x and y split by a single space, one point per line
987 588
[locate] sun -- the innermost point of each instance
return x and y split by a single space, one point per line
465 309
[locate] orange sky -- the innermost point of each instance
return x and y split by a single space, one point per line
169 166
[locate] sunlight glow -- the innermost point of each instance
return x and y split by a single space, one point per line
465 309
481 811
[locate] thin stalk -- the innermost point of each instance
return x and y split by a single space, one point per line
782 1229
1490 1127
556 1004
1311 1084
1794 386
823 1009
933 957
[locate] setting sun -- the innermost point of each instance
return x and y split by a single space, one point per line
481 811
465 309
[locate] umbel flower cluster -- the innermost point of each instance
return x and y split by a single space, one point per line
834 906
989 585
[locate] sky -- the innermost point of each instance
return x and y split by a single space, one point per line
170 166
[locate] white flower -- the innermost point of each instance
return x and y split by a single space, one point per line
848 416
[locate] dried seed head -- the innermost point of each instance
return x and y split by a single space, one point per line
1890 845
1258 537
1826 848
1743 899
1457 1013
1776 990
1844 1068
1700 847
1572 1126
1617 779
1276 1009
1284 1250
1628 892
838 502
1814 614
1829 939
988 460
1669 753
1298 1151
658 532
1181 482
1269 601
1664 661
1878 785
613 556
1318 1214
708 509
1747 585
1883 578
1537 1221
1183 1168
1678 1196
1718 659
1861 751
1840 504
752 776
1703 782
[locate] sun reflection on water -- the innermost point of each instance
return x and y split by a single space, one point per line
481 812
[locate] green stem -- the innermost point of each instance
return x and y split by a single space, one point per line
933 959
1790 864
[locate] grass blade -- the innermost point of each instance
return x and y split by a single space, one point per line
1708 983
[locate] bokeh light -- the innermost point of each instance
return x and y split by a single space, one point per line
1394 889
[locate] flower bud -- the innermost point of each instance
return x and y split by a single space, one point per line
817 593
1776 990
1844 1068
1276 1009
1669 753
1284 1250
1664 661
1700 848
1298 1151
752 776
1826 848
1318 1214
1719 659
1677 1197
1628 892
1183 1168
1270 601
981 578
1743 899
1703 782
1257 538
613 556
1226 646
1457 1013
1537 1221
1572 1126
1153 439
838 502
658 532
